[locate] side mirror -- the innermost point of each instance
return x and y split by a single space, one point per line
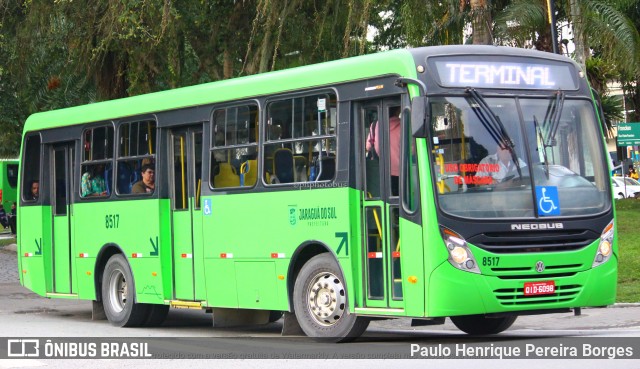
419 116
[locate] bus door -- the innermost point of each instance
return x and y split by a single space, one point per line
380 212
185 165
61 185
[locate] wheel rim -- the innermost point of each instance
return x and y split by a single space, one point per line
326 299
117 291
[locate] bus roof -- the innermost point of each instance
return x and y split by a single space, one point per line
390 62
401 62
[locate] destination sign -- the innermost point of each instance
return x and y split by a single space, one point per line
496 73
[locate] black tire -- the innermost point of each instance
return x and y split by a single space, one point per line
156 316
320 302
481 325
118 295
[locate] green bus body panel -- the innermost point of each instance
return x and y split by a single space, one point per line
34 249
9 194
221 283
412 264
455 292
257 285
62 254
182 250
385 63
237 232
85 277
137 231
198 253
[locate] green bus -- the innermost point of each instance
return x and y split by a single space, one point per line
8 182
468 182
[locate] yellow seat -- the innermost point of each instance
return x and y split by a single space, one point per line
250 171
226 177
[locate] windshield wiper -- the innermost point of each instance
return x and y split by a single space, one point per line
554 111
540 140
494 125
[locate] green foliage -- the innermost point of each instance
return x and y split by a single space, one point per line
7 241
613 111
60 53
612 33
521 22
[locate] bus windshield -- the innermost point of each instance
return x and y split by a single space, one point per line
517 157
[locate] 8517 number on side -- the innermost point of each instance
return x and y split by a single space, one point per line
111 221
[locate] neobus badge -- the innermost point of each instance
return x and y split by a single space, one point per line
535 226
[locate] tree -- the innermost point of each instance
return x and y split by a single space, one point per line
481 22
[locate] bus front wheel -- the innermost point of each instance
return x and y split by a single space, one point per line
481 325
320 302
118 295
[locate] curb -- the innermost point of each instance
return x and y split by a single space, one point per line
625 304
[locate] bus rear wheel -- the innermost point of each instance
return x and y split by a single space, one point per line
481 325
320 302
118 295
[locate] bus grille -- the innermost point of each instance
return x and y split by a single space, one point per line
533 242
516 297
528 272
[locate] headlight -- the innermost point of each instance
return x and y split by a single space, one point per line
605 248
460 255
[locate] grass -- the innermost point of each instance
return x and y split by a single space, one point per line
628 213
7 241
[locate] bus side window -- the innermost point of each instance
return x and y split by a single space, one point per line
300 139
31 172
234 147
136 147
97 156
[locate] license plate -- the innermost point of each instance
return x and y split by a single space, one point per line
539 288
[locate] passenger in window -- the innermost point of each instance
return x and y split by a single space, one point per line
148 182
92 182
34 190
373 143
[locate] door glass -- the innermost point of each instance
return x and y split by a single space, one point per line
197 147
60 182
375 271
372 163
394 148
394 249
180 171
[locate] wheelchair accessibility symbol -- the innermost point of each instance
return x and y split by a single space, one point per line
206 207
548 200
